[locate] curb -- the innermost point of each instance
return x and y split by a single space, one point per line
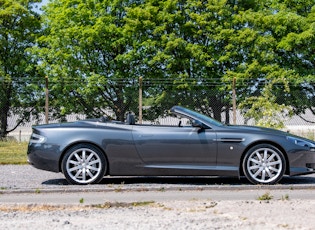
118 188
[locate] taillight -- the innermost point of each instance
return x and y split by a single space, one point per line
36 138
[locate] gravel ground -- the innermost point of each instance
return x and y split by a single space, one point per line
191 214
197 213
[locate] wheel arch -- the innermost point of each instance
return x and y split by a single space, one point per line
287 170
79 143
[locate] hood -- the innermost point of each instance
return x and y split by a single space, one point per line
257 129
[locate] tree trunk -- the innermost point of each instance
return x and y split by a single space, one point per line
4 117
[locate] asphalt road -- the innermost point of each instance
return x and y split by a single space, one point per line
25 184
31 198
25 178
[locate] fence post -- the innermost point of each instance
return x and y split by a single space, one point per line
140 100
46 101
234 100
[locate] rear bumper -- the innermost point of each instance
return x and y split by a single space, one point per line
43 158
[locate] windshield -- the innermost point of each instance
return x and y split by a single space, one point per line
202 117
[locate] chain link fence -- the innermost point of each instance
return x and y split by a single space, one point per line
211 102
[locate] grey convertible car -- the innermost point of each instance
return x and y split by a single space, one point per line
85 151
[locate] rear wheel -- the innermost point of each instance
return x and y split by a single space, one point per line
84 164
264 164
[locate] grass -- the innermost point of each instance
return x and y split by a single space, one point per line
13 152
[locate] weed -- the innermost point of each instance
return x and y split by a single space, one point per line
142 203
285 197
265 196
122 204
81 200
120 187
142 190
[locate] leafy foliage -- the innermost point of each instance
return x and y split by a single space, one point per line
19 26
83 55
94 52
265 110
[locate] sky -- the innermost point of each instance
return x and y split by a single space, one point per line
39 5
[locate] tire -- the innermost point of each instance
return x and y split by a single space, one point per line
84 164
264 164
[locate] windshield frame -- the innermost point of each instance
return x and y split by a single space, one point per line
191 114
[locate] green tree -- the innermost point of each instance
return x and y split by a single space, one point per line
297 51
94 52
188 52
83 52
200 46
185 48
19 25
264 109
281 47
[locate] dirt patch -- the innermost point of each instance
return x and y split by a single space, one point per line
191 214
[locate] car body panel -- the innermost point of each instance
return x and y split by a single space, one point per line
175 145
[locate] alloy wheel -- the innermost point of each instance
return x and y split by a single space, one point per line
83 165
264 165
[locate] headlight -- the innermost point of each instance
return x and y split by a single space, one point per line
302 142
35 138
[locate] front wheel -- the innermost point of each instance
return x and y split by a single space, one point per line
84 164
264 164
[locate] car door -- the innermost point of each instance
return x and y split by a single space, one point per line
176 146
